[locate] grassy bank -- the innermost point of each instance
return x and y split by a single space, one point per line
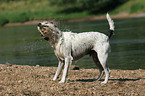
28 10
21 11
130 7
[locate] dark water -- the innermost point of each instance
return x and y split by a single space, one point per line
23 45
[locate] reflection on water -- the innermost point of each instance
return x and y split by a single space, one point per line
23 44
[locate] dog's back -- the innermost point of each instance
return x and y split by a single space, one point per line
82 43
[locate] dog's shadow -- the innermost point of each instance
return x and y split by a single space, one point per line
92 80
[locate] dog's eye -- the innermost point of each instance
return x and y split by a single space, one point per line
45 26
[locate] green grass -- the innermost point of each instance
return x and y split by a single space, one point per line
32 10
3 20
25 10
132 6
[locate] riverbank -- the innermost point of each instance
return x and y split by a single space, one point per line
12 12
37 80
88 18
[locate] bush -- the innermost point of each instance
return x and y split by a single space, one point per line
19 17
92 6
3 20
136 7
7 0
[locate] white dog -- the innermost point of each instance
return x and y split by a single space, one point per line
70 47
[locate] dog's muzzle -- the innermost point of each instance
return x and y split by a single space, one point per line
45 38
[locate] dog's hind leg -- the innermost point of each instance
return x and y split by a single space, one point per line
60 65
103 60
102 53
97 63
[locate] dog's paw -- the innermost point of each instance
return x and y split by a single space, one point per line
104 82
54 79
61 81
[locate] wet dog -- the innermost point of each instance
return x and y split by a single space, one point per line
70 47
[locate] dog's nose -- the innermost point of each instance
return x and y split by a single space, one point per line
39 24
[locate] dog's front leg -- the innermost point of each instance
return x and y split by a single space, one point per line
58 70
68 62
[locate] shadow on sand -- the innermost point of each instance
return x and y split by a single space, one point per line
91 80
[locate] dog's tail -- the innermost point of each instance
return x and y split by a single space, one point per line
111 24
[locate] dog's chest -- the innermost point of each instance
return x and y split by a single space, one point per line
59 51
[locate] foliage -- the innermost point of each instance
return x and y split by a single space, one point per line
93 6
8 0
136 8
3 20
24 10
19 17
16 0
21 11
132 6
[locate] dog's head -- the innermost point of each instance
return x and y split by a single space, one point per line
49 30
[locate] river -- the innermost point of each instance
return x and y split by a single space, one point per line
23 45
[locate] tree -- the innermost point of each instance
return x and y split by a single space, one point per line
93 6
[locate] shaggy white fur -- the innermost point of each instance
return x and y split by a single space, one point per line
72 46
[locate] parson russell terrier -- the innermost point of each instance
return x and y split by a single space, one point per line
69 46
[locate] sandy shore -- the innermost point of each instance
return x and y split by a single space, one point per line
22 80
89 18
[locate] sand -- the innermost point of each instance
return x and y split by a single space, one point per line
22 80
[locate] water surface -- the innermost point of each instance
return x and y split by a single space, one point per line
23 44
